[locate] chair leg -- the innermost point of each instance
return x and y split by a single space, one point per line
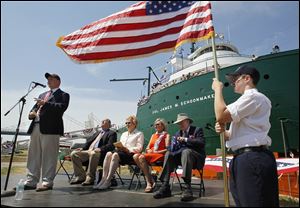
131 177
202 188
119 177
61 162
136 173
178 180
66 171
60 165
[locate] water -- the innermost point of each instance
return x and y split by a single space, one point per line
20 190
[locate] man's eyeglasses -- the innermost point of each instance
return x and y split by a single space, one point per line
157 124
127 123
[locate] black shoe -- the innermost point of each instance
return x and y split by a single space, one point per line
187 195
114 182
163 192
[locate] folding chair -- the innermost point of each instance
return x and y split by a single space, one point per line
136 172
160 164
64 155
201 184
113 180
119 177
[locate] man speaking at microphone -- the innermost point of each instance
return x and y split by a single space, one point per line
45 129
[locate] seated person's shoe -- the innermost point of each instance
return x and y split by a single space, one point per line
97 186
150 188
187 195
113 182
88 181
162 192
105 185
76 180
44 188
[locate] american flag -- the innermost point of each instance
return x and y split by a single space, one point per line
143 29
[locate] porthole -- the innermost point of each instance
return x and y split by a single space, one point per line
226 84
266 76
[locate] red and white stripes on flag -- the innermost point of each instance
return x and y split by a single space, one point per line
143 29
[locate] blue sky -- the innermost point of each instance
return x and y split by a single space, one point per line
29 31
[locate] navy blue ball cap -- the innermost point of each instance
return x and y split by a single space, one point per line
244 69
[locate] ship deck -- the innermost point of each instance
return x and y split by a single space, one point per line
65 195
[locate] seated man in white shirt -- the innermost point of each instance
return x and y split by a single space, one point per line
94 153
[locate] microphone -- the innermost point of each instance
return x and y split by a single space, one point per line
36 83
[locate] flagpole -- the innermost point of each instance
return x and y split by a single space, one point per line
222 140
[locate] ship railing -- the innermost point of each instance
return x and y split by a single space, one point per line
166 82
166 77
180 79
210 58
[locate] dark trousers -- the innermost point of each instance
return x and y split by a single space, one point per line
187 159
253 179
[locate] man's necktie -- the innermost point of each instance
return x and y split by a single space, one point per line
45 99
95 143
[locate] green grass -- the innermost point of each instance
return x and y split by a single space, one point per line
287 201
18 157
13 170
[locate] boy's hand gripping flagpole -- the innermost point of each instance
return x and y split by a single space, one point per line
225 178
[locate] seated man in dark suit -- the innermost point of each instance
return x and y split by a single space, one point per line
188 150
94 152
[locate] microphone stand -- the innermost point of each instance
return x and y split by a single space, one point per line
23 100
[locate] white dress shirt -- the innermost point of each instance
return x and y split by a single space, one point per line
250 120
133 141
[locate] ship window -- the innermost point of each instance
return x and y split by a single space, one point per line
164 100
226 84
150 107
206 50
177 97
266 76
224 48
186 93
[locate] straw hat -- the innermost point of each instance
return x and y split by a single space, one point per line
181 117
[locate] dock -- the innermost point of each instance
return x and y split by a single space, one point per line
66 195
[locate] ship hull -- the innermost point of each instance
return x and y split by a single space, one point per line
194 96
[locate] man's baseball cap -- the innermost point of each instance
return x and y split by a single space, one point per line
52 75
244 69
